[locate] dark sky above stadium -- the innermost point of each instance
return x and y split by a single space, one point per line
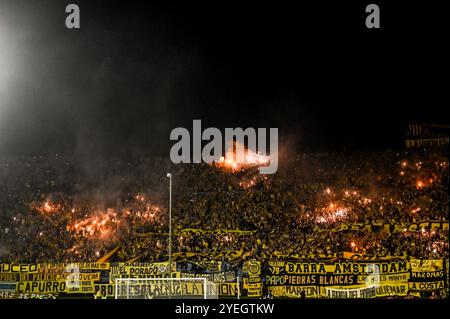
136 70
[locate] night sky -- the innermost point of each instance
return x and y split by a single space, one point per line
136 70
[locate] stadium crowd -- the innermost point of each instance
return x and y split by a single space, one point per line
58 209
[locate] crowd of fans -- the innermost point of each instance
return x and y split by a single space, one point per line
58 209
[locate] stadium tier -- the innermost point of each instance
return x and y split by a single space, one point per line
363 224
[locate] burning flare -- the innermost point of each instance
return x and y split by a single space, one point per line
251 159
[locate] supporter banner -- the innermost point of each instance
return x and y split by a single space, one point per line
8 295
228 289
359 291
427 274
344 267
15 295
371 279
252 279
141 270
68 267
390 227
104 290
343 273
44 287
367 291
194 231
217 277
80 287
253 267
180 289
425 265
296 291
18 268
392 289
308 280
9 277
48 276
426 286
7 286
41 286
283 278
282 256
254 292
225 281
162 290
